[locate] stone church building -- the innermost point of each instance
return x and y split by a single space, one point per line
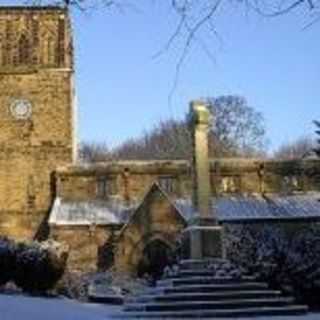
111 213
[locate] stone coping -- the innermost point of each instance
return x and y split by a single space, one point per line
33 8
238 165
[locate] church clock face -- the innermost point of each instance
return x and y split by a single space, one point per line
21 109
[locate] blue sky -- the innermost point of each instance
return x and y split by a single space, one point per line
123 90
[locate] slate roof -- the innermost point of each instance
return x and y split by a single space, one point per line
257 208
237 208
96 212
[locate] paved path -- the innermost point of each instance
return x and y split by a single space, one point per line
28 308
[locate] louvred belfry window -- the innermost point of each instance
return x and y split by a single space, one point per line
24 50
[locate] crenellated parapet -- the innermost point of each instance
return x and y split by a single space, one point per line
33 38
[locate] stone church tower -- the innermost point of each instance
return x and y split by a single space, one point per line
36 113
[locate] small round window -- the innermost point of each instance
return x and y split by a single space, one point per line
21 109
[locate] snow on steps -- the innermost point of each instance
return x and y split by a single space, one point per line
218 313
194 291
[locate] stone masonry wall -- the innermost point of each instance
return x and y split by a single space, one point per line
85 243
130 180
133 179
36 69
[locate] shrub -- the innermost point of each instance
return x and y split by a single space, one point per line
39 265
73 285
292 265
7 260
76 285
33 266
304 265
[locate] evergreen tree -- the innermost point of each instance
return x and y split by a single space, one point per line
317 148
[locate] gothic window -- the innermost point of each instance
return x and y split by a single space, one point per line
61 40
51 52
35 40
24 50
8 46
106 186
167 183
1 53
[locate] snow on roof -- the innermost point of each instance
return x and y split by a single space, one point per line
229 208
258 207
89 212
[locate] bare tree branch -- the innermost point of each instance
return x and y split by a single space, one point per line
194 16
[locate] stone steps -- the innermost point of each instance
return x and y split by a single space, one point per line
203 286
207 296
208 305
195 273
207 279
218 313
199 264
194 292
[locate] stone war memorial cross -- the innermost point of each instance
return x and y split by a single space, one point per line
203 236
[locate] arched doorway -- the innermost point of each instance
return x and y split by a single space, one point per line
156 256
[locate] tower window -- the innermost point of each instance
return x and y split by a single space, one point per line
24 50
51 52
1 52
106 186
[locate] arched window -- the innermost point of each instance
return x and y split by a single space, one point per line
1 53
24 50
51 52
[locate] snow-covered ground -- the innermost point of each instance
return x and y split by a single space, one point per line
29 308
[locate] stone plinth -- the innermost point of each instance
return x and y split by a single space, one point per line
203 239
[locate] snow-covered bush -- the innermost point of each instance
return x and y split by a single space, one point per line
261 251
304 265
39 265
79 286
32 266
289 263
7 260
74 285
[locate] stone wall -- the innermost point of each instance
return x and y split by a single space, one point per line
131 180
36 114
128 180
85 243
256 176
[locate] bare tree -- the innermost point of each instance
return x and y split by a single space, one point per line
196 21
193 15
237 130
297 149
168 139
94 152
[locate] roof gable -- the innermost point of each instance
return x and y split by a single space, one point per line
149 210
